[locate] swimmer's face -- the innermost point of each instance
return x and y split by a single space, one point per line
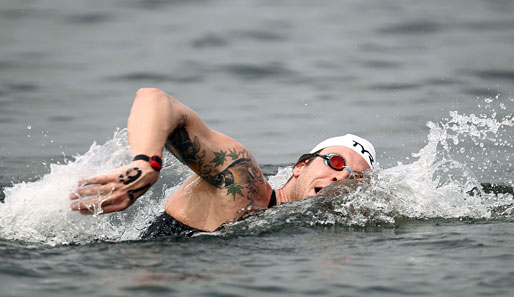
314 176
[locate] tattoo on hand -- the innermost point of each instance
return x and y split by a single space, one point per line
131 193
130 176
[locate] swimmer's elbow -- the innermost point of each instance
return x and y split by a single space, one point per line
162 103
152 97
148 93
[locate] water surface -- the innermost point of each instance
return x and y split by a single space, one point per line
278 76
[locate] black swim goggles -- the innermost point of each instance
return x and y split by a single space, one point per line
333 161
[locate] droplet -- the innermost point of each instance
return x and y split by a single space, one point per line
29 127
462 150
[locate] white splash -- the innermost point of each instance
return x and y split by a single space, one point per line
443 183
40 211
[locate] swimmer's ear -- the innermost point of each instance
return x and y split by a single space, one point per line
298 168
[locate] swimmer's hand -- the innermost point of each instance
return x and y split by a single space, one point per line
114 191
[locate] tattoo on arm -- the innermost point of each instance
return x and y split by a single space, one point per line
180 145
242 177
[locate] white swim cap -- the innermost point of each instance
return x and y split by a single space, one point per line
360 145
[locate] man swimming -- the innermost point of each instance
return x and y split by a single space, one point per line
226 177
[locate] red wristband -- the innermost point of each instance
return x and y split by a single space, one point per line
155 161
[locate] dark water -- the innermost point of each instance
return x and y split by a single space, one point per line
279 76
425 259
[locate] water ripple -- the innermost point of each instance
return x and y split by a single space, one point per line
209 40
149 289
159 4
378 64
157 77
481 92
89 18
382 290
490 25
395 86
23 87
263 289
7 65
442 81
248 71
260 35
15 14
61 118
417 27
495 74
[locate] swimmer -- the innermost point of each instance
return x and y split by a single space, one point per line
226 177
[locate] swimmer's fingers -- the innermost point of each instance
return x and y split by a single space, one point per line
108 200
106 204
114 191
99 180
112 181
94 191
106 209
108 183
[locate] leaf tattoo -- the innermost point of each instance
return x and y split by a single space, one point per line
233 154
242 178
234 189
220 158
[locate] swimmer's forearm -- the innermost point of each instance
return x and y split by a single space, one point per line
152 118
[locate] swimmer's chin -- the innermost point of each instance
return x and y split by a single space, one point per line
313 192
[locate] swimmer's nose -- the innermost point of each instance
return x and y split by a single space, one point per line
340 176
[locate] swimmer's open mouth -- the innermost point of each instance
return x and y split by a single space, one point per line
317 189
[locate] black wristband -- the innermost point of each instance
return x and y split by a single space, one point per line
155 161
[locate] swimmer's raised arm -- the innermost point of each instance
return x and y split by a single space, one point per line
157 120
149 124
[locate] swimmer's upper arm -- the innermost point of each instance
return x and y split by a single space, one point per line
217 158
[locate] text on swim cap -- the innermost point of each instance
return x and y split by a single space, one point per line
363 150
